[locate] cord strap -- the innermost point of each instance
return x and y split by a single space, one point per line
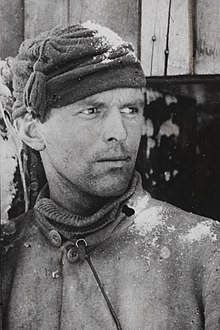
111 309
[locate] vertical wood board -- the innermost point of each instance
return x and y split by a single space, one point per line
154 27
208 37
180 39
155 20
11 27
120 16
41 15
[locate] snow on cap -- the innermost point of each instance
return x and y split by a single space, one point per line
106 35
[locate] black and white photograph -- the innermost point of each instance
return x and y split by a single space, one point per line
110 164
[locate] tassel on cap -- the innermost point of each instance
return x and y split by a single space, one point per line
35 93
35 89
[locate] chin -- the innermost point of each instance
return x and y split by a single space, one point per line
113 186
112 192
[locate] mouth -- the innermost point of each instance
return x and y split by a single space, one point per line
114 159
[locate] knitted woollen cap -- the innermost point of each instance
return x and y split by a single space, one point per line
65 65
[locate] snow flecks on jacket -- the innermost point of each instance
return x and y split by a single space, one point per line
148 220
141 203
165 252
200 231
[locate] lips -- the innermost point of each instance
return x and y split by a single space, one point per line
114 159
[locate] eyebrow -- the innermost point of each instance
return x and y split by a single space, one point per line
100 104
96 103
138 102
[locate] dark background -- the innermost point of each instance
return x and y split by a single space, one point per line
185 169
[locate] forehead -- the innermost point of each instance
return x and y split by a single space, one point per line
118 96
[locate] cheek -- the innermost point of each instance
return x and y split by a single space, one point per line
70 143
134 135
81 142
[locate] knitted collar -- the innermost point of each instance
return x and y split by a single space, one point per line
50 216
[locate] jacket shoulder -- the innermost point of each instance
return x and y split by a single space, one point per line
165 222
193 228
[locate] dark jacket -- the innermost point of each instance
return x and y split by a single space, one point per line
159 268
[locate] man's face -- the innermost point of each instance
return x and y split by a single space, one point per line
92 144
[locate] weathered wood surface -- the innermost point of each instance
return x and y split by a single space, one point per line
166 26
191 29
180 59
11 27
41 15
120 16
208 37
153 36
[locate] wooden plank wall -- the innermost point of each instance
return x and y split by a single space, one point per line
166 42
121 16
208 37
187 30
11 27
40 15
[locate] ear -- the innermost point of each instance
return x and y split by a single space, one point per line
28 129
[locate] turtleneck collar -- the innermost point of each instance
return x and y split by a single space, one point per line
51 216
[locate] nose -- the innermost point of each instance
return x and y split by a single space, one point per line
114 128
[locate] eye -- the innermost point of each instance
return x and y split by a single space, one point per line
130 110
90 111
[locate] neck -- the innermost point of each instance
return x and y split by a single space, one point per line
66 195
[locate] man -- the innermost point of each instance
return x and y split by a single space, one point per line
97 252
